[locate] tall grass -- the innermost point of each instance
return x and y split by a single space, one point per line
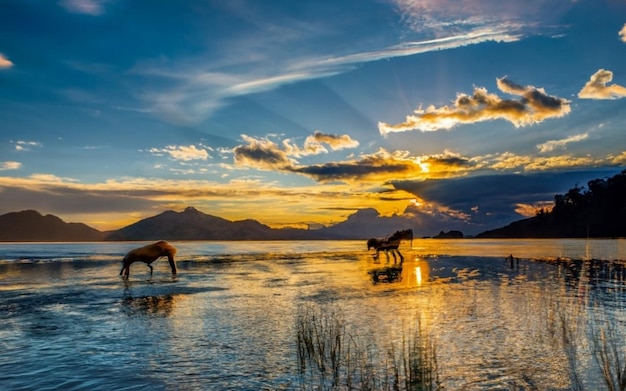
609 351
331 358
597 337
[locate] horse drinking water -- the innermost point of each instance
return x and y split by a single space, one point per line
149 254
391 243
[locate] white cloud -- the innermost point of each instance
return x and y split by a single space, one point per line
183 152
10 166
26 145
195 92
551 145
622 33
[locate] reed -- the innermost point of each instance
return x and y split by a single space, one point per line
331 358
610 354
592 336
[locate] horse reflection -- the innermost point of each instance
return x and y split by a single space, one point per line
149 254
386 274
390 243
149 305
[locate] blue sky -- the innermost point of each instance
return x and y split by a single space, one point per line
464 114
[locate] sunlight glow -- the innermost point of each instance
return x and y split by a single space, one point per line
418 275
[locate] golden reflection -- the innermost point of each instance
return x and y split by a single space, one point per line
419 272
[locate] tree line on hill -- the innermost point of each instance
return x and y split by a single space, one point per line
598 211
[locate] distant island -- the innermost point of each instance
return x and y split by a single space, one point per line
596 212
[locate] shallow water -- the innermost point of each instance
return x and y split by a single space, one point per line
227 320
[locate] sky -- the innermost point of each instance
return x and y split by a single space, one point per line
451 114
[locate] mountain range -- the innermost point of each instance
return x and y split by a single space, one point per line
598 211
190 224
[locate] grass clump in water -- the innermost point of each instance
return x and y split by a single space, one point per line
331 358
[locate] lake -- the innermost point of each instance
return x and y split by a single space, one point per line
230 319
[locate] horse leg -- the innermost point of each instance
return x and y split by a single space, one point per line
151 269
401 257
376 256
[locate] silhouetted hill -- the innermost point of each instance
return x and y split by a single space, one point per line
191 224
31 226
596 212
449 235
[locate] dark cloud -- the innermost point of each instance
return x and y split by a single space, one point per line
491 200
65 200
368 167
262 154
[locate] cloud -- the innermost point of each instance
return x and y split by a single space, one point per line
496 199
597 88
192 93
10 166
509 161
530 210
335 141
383 166
551 145
314 144
622 33
534 106
5 62
442 16
619 159
267 155
262 154
26 145
87 7
183 152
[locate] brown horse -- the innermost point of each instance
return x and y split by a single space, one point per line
391 243
149 254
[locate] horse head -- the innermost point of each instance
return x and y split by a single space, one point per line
372 243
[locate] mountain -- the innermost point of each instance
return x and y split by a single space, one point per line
191 224
596 212
30 225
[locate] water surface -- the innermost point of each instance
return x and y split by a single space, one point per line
227 320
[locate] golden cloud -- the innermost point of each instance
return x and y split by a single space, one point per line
597 88
528 210
314 144
622 33
384 166
534 106
551 145
511 162
4 62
